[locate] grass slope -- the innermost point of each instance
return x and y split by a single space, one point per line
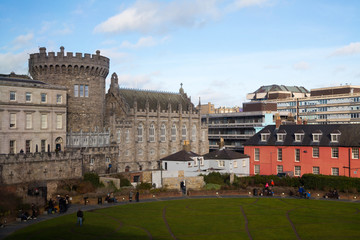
218 218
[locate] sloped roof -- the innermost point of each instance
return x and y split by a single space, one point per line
224 154
350 135
274 88
155 97
181 156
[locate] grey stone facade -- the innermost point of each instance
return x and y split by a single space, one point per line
83 76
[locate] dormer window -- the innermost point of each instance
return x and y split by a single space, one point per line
316 137
335 137
299 137
281 137
264 137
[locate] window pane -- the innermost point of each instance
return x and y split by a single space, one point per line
279 154
76 90
86 91
28 97
59 121
12 120
28 120
58 98
43 97
257 154
81 90
12 96
43 121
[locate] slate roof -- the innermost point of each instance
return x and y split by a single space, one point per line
20 80
349 135
224 154
181 156
274 88
155 97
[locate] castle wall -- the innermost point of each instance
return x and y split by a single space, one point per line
83 76
71 164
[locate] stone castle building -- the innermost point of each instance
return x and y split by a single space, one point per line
149 125
139 126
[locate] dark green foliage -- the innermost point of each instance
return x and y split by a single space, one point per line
144 186
93 178
124 182
324 182
217 178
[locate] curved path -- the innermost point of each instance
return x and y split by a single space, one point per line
167 224
246 223
292 224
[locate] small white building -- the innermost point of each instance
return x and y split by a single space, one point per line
222 161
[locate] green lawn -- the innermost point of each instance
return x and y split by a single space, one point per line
218 218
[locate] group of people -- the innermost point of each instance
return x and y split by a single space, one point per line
64 204
24 215
268 191
137 196
303 193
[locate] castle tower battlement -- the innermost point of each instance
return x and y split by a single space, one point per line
84 77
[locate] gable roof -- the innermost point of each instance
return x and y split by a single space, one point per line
181 156
154 98
350 135
224 154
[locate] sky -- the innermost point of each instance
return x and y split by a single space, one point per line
220 50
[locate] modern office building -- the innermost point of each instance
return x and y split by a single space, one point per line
331 105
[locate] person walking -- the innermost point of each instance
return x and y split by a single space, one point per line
80 217
130 196
137 196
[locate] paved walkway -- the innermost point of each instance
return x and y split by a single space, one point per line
14 226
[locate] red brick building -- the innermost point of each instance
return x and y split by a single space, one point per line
299 149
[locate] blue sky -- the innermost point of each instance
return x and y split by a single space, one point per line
219 49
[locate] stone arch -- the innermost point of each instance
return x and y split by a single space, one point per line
57 69
63 68
69 69
82 69
59 144
51 68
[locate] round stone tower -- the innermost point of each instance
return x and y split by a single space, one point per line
84 76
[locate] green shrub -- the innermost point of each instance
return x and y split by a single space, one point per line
93 178
212 186
124 182
217 178
144 186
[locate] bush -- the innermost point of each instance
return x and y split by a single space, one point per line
144 186
124 182
212 186
217 178
324 182
93 178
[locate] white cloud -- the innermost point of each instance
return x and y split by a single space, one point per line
22 41
144 81
248 3
352 48
11 62
160 16
301 66
143 42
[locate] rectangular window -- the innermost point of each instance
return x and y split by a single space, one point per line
335 171
43 98
28 121
127 135
92 161
28 146
195 162
12 96
297 170
316 170
58 98
355 153
257 169
43 145
280 137
86 91
59 121
264 137
297 155
12 120
257 154
315 151
12 146
335 137
279 154
244 163
44 121
235 164
28 97
81 90
334 152
298 137
279 169
316 137
221 163
76 90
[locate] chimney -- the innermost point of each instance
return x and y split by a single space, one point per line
298 122
221 144
186 146
278 121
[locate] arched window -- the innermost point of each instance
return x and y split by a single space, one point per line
118 136
152 133
183 132
140 133
127 135
163 133
193 133
173 132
